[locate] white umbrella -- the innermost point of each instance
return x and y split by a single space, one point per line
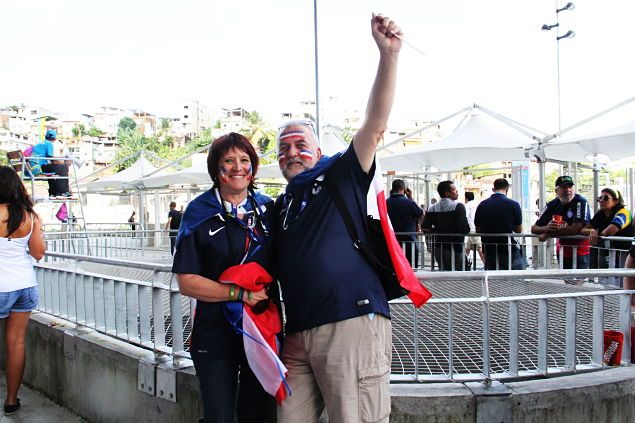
481 139
195 174
127 178
615 143
331 143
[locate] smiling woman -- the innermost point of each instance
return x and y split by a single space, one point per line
223 260
240 148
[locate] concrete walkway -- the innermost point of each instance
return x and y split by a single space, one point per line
36 408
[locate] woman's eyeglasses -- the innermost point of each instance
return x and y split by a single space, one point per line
604 198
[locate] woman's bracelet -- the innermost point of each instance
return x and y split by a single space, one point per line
241 292
232 289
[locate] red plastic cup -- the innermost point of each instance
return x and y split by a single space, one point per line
613 341
557 218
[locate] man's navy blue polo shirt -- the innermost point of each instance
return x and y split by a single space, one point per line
324 278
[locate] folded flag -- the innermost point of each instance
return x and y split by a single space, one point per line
258 330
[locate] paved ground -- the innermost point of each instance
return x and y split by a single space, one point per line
36 408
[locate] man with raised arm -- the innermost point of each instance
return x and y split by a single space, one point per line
338 336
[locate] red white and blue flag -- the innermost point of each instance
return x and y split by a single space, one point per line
376 204
259 330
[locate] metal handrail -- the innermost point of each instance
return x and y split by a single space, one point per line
109 304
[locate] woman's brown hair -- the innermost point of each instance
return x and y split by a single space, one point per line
221 146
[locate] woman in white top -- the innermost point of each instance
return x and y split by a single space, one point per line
20 228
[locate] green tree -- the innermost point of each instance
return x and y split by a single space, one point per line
127 123
254 118
131 141
79 130
95 132
165 123
3 158
262 136
347 134
203 139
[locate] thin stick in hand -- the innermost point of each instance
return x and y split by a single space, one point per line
410 44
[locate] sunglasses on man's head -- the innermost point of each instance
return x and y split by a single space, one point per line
604 198
304 122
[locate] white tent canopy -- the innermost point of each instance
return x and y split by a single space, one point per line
615 143
127 178
331 142
195 174
482 138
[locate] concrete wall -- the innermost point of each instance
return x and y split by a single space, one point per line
606 396
97 377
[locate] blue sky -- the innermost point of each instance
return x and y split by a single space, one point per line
74 55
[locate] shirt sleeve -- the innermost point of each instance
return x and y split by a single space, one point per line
518 215
545 217
582 213
186 259
622 219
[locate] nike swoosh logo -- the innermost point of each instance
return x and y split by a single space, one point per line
216 231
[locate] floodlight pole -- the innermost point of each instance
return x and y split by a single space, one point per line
317 83
569 34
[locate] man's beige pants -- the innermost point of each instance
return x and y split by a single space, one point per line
344 366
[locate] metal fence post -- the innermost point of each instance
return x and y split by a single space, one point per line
513 338
543 334
570 333
598 330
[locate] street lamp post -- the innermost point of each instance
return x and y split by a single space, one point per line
568 34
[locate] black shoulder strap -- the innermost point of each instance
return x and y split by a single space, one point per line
364 248
346 215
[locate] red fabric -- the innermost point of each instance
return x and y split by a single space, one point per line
250 276
584 247
269 325
419 294
253 277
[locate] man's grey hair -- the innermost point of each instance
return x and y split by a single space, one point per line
309 123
